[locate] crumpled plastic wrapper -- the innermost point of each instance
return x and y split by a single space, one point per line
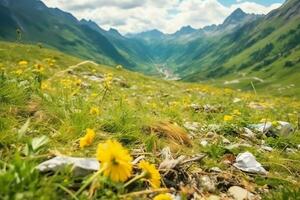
80 166
247 163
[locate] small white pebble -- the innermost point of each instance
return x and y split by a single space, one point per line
204 143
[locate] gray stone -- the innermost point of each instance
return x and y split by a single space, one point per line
207 184
192 126
285 128
263 127
266 148
204 143
239 193
248 133
226 141
290 150
215 169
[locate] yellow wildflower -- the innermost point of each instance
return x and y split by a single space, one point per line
94 95
228 118
165 196
19 72
154 105
39 67
108 80
236 112
78 82
263 120
151 173
115 160
94 111
23 62
88 138
45 86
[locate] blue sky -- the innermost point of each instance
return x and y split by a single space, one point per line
168 16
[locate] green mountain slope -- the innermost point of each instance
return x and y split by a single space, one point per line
55 28
267 49
179 50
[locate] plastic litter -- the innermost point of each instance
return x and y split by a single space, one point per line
247 163
80 166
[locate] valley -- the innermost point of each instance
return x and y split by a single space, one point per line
243 43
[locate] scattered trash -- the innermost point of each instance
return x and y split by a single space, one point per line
247 162
80 166
239 193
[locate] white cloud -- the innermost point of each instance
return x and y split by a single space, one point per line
165 15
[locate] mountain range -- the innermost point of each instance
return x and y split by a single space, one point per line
246 48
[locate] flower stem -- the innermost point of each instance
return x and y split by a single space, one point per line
142 175
89 181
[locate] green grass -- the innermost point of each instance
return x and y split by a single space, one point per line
56 107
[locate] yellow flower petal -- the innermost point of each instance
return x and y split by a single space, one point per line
165 196
152 174
115 160
88 139
228 118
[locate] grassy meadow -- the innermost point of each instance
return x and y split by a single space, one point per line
49 99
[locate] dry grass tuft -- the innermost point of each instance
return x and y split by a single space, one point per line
170 130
